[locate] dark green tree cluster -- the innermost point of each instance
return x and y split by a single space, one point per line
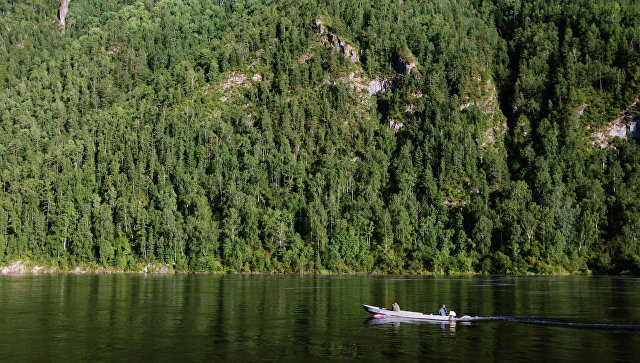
240 135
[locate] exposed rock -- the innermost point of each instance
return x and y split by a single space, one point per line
377 85
153 268
623 127
320 26
464 106
395 125
20 267
618 128
362 85
351 53
359 83
339 44
356 83
231 85
233 79
334 41
490 134
62 13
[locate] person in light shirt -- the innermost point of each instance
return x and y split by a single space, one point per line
443 310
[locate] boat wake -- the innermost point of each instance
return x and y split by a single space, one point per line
468 320
554 322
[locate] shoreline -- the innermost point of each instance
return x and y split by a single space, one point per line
26 267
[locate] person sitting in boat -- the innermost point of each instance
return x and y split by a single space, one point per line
395 306
443 310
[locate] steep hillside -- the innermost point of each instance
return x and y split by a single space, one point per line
328 136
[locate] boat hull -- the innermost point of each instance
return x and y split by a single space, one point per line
386 313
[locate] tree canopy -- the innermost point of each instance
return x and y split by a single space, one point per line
322 136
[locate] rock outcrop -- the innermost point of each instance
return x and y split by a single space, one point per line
625 126
347 49
62 13
395 125
334 41
360 83
357 80
26 267
378 85
320 26
21 267
619 128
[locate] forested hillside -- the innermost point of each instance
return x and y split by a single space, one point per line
432 136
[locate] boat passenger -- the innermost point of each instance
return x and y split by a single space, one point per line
395 306
443 310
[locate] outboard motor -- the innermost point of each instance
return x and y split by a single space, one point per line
452 320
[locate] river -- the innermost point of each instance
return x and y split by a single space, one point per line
237 318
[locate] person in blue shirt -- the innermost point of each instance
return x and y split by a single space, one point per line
443 310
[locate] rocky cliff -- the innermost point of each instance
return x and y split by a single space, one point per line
62 13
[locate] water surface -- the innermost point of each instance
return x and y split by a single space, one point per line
296 318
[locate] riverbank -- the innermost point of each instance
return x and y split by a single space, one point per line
26 267
23 267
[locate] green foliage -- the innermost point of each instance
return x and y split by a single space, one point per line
241 136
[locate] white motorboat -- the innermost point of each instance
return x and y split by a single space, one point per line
386 313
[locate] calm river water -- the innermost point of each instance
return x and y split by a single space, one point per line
315 318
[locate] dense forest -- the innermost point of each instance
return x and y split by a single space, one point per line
285 136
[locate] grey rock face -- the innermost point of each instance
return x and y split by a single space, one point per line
62 12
